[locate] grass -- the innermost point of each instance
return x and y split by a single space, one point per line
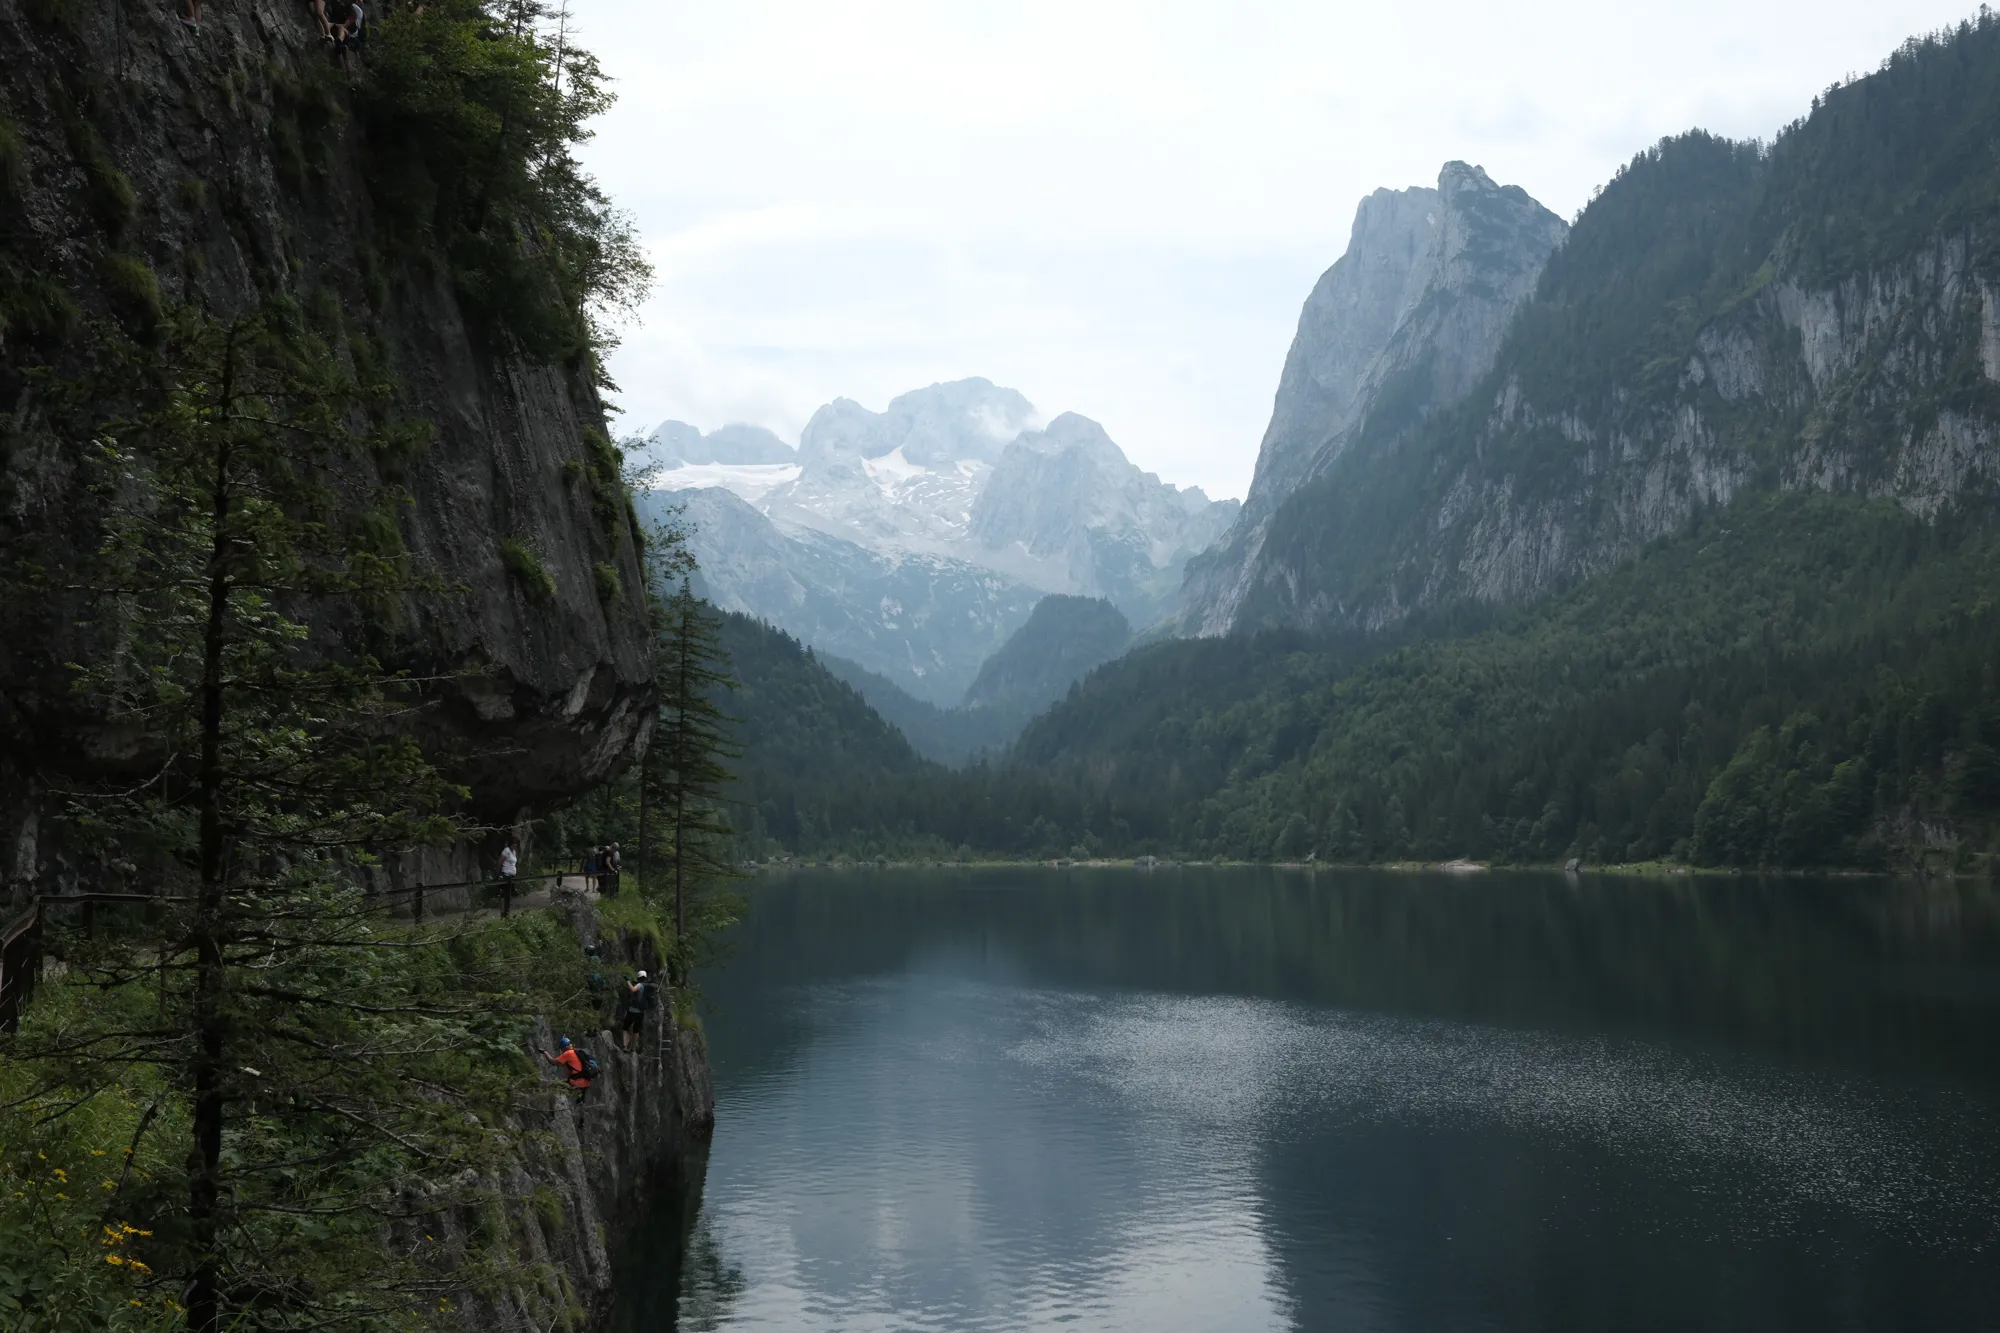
526 567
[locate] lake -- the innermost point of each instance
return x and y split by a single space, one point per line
1195 1099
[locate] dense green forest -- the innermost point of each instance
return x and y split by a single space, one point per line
1799 680
1796 678
1681 252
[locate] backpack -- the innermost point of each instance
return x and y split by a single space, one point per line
589 1065
648 994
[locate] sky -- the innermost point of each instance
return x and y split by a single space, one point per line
1116 208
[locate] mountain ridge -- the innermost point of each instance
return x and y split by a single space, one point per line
1819 313
1401 326
959 479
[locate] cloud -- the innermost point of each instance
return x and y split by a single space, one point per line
1116 208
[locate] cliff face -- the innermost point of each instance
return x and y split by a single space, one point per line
638 1136
1403 324
247 169
1065 509
1819 314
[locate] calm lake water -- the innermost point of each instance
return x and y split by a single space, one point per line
1220 1100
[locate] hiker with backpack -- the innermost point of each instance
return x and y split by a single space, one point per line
580 1066
640 996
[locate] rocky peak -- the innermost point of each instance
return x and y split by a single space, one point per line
674 443
1065 508
968 420
1408 318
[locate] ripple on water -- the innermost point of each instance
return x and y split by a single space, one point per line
1921 1167
947 1153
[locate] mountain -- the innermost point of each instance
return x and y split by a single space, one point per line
953 737
1703 567
1061 642
815 757
1405 323
957 483
1064 640
924 621
1065 510
1800 679
1821 313
675 443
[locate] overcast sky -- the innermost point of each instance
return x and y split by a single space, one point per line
1116 208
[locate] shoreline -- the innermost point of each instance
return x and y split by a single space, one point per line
1623 870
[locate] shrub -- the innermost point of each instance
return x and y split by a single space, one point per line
134 292
526 567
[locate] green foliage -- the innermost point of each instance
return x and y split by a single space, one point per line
607 484
1803 680
34 306
685 774
472 120
321 1080
609 586
526 567
109 196
134 292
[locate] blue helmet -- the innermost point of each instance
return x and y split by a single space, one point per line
565 1041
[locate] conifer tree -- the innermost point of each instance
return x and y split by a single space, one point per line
684 775
332 1076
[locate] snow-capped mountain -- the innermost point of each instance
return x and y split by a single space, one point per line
926 622
957 487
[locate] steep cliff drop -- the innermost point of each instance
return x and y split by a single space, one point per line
638 1139
233 169
1724 319
1403 325
146 165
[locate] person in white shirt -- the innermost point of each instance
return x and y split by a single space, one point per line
510 861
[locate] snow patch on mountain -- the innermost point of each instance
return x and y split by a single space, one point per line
965 480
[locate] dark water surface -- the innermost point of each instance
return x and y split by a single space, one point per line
1195 1100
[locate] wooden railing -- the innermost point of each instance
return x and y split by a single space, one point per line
20 964
21 938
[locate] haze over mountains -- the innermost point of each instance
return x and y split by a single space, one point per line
915 540
1673 533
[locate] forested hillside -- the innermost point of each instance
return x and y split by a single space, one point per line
1724 318
1802 680
1706 572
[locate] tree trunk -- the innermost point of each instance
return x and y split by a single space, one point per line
204 1185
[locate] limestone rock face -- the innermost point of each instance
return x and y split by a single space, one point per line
549 696
1066 510
635 1144
1696 337
1404 323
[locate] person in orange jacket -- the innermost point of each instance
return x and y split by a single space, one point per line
572 1063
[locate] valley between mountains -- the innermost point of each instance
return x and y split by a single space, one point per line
1666 533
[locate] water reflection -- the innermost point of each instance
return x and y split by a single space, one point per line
1252 1100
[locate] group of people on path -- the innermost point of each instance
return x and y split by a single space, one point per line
601 868
641 996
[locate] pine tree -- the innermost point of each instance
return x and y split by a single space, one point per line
328 1070
684 775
